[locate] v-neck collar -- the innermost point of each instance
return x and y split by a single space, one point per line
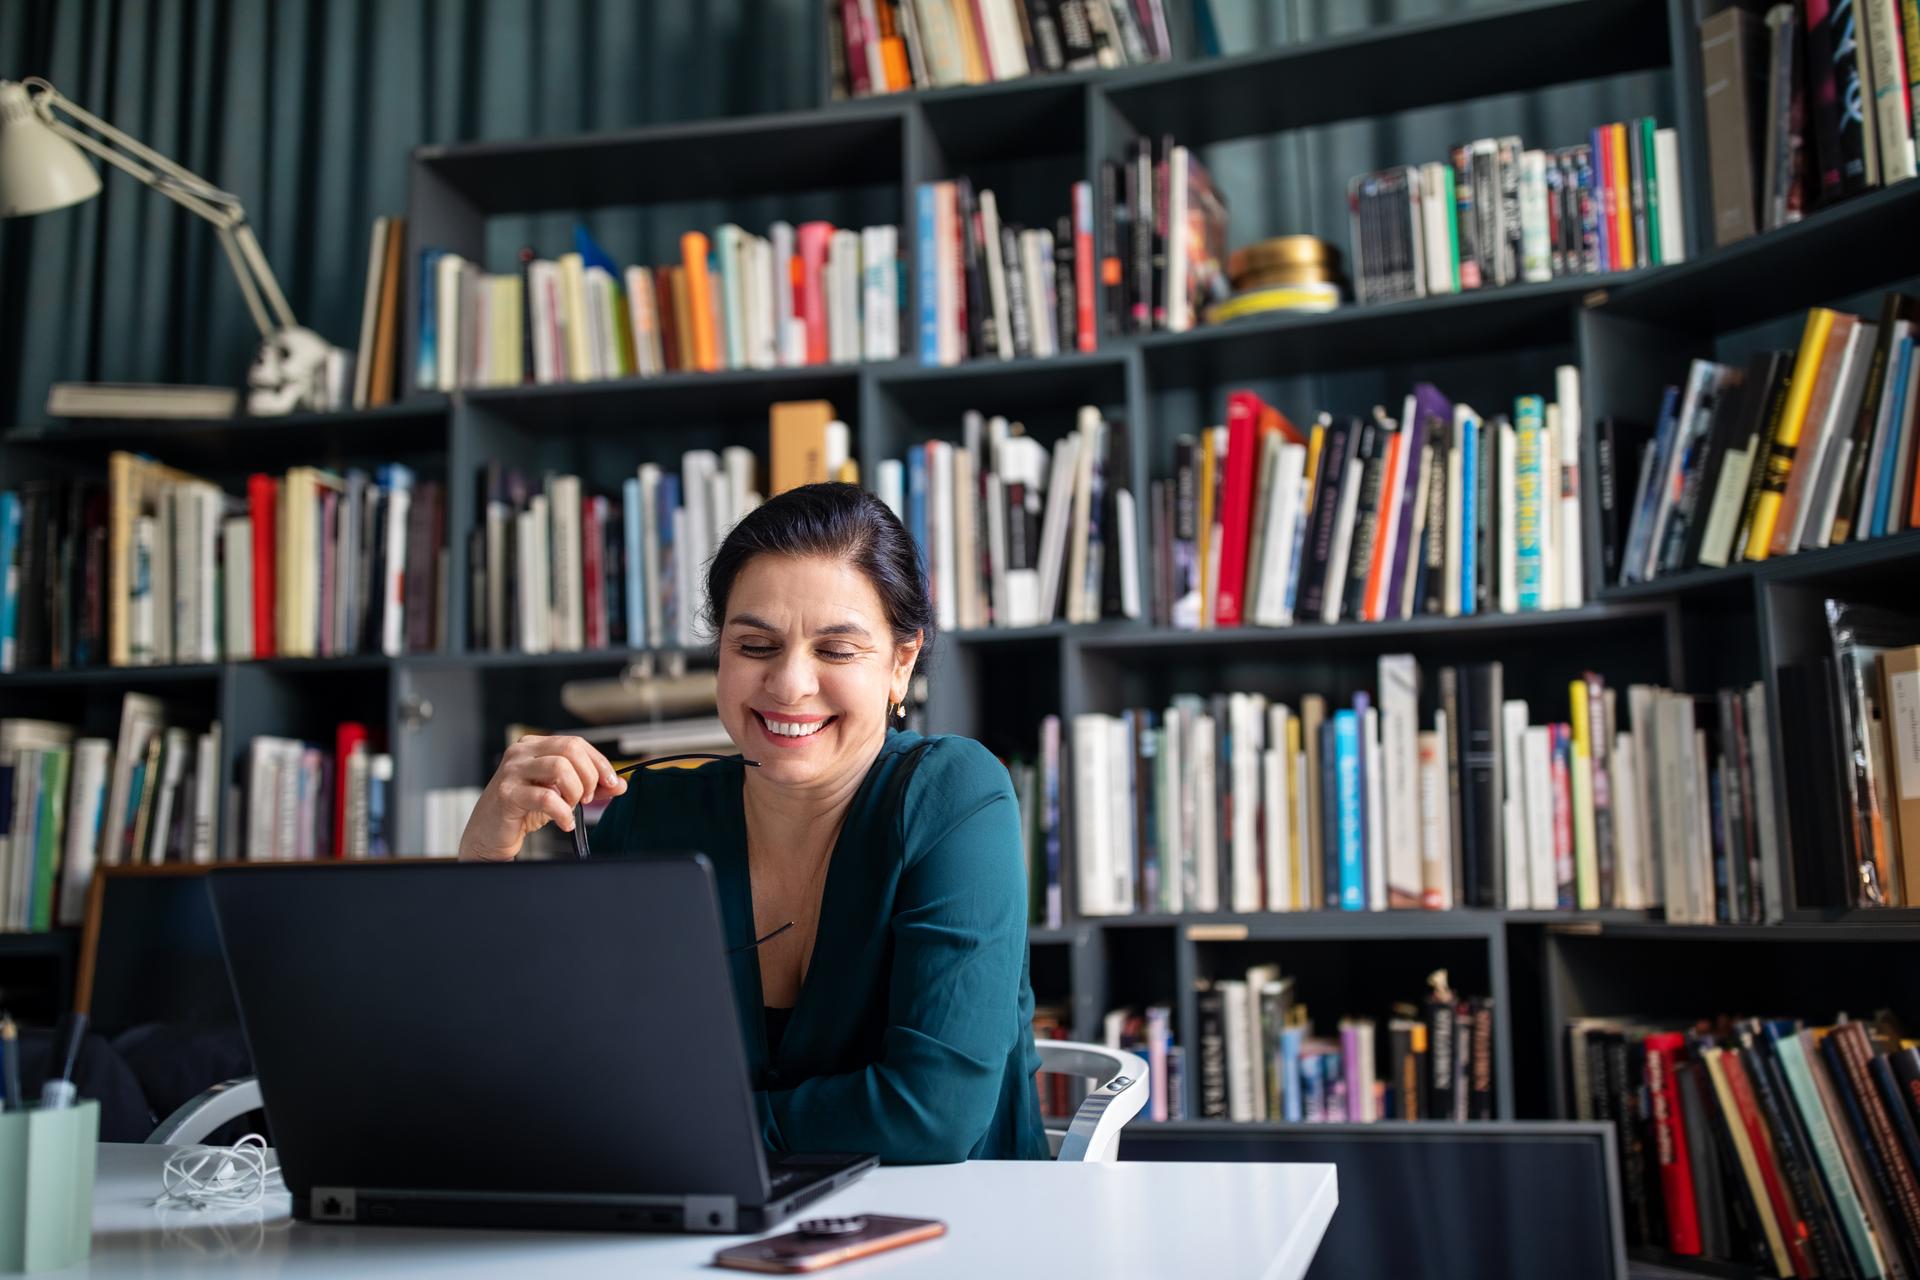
804 999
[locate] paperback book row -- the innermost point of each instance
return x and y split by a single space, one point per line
304 802
1792 451
157 566
1764 1142
990 288
1806 105
557 569
1162 228
807 295
885 46
1434 510
1012 535
69 803
1261 1061
1852 712
1236 802
1497 213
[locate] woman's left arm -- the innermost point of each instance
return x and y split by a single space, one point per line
959 935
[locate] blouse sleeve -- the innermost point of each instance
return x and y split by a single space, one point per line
959 939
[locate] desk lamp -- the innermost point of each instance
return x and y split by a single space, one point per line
41 169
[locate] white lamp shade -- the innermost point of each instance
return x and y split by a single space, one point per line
39 169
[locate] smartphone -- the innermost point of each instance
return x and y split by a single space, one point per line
804 1251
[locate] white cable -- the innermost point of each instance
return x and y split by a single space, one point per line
236 1177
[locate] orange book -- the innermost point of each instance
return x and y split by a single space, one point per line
386 336
1623 202
893 61
693 257
1372 602
797 444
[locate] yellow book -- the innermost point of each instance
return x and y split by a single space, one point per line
1204 552
1786 437
573 301
693 255
1623 201
1315 439
1749 1165
797 444
1586 866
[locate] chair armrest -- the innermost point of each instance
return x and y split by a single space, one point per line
1094 1133
196 1119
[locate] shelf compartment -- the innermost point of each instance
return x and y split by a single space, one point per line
1399 67
662 404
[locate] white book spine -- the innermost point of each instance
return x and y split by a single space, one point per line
1673 221
206 794
1092 828
1436 181
1039 320
1179 310
1119 794
945 570
87 799
1376 802
1536 768
1273 606
1629 858
1244 781
1399 691
1436 820
1233 997
996 275
1127 547
237 534
1536 249
890 480
1568 537
1174 827
1278 818
791 353
1342 540
1206 836
393 639
1513 806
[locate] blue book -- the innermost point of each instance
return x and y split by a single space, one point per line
667 505
1347 795
1531 499
1646 502
927 258
9 578
426 368
1369 839
1290 1102
1883 516
630 517
917 501
591 254
1469 509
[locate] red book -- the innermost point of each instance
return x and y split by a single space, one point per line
1793 1230
1236 503
1603 180
349 737
593 516
1670 1142
810 291
1083 266
853 28
1373 600
263 503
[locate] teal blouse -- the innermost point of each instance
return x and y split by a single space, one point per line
912 1036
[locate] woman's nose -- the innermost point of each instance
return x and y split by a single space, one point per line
790 678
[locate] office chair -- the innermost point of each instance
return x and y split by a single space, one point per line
1120 1090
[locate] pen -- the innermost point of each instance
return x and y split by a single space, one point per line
58 1091
10 1061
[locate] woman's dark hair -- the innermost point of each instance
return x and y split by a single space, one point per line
840 521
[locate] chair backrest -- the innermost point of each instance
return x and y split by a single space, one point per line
1119 1091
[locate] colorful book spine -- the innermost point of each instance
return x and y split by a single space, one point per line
1531 505
1470 444
927 272
1351 803
1670 1143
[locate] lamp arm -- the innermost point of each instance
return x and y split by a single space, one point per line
185 188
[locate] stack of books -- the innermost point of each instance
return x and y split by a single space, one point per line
816 294
157 566
1234 802
994 288
1435 510
1849 713
886 46
556 569
1793 451
1260 1060
304 803
69 803
1806 105
1495 213
1762 1142
1011 536
1160 268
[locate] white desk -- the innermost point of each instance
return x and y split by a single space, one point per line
1004 1219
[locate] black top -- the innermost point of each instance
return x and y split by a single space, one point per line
776 1026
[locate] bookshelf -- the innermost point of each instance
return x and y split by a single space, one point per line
1631 333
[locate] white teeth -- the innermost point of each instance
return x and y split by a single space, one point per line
788 729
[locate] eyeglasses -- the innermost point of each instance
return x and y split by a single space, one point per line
583 852
580 847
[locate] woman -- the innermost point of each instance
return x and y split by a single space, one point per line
889 1012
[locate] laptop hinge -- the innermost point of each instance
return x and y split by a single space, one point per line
711 1213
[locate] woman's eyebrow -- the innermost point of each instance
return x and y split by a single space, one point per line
845 629
756 623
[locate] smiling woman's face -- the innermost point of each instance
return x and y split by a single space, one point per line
808 665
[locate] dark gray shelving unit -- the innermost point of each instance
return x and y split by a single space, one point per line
1631 333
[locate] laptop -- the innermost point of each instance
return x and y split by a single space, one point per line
542 1044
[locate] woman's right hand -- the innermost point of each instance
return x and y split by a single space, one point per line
540 780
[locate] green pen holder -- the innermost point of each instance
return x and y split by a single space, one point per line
46 1186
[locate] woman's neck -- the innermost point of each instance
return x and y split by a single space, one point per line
807 815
